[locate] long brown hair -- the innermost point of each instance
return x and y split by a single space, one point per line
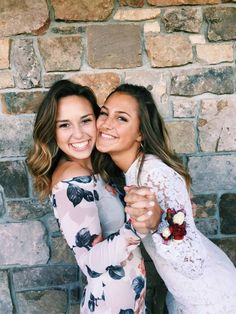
155 136
44 155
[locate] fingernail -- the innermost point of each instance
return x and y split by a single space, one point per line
151 203
149 213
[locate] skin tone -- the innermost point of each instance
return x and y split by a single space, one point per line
118 134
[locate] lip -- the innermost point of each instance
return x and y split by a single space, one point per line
107 136
80 146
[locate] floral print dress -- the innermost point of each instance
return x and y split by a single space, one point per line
109 256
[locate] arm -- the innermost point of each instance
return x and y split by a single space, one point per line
76 211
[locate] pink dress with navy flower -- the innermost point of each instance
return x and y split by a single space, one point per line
109 256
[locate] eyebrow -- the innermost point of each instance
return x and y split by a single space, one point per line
66 120
120 112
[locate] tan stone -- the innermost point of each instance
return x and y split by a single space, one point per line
4 53
6 79
217 128
182 136
184 107
215 53
168 50
114 46
181 2
157 83
25 16
132 3
61 53
101 83
197 39
153 27
82 10
136 14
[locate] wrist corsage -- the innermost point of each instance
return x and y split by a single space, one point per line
172 225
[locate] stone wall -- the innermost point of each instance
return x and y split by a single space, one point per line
183 51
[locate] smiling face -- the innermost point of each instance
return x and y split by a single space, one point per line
75 127
118 131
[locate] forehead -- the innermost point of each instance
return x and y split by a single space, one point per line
73 104
120 101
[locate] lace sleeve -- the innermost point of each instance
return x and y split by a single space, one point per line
186 257
75 208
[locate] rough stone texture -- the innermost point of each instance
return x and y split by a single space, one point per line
212 173
197 39
216 124
208 227
50 78
228 246
67 29
27 209
23 243
37 277
42 302
12 128
215 53
83 10
52 224
101 83
27 71
221 23
136 14
13 178
61 53
22 102
227 207
182 136
184 19
4 53
181 2
2 203
168 50
5 297
6 79
205 205
114 46
26 16
60 251
199 81
157 83
184 107
132 3
152 27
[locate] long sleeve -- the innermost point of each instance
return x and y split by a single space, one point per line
77 213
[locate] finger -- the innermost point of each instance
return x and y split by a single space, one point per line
142 204
128 188
132 198
140 190
135 212
145 217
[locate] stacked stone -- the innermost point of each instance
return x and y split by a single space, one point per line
183 51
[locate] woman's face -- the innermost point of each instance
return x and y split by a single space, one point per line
75 127
118 124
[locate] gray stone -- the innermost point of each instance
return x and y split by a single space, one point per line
209 227
22 102
182 19
114 46
5 297
228 246
28 209
51 78
23 243
184 107
199 81
13 179
205 205
2 202
61 252
42 302
27 71
222 23
15 136
227 207
52 224
212 173
46 276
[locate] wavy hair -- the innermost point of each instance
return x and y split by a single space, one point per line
44 154
155 139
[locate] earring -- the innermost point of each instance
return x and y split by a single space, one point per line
141 146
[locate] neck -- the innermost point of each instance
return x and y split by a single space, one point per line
124 161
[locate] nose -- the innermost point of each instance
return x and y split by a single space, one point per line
77 132
108 123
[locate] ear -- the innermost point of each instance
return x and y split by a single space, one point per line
139 138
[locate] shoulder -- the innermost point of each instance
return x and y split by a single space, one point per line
67 170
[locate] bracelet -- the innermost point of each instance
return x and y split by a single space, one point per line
172 225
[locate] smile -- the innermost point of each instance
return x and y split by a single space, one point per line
80 145
107 136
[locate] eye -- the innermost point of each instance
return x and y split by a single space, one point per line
86 121
103 113
122 119
63 125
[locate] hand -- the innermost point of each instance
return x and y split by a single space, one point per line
143 208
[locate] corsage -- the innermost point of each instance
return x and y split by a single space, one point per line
172 225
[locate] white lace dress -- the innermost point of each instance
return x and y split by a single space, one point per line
106 249
200 278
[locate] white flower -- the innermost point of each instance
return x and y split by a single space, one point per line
166 232
178 218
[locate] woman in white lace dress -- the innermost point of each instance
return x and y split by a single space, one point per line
200 278
104 245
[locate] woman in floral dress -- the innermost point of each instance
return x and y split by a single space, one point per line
90 216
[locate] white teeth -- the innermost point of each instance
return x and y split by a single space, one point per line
80 145
107 136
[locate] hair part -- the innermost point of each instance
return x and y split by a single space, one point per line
44 154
